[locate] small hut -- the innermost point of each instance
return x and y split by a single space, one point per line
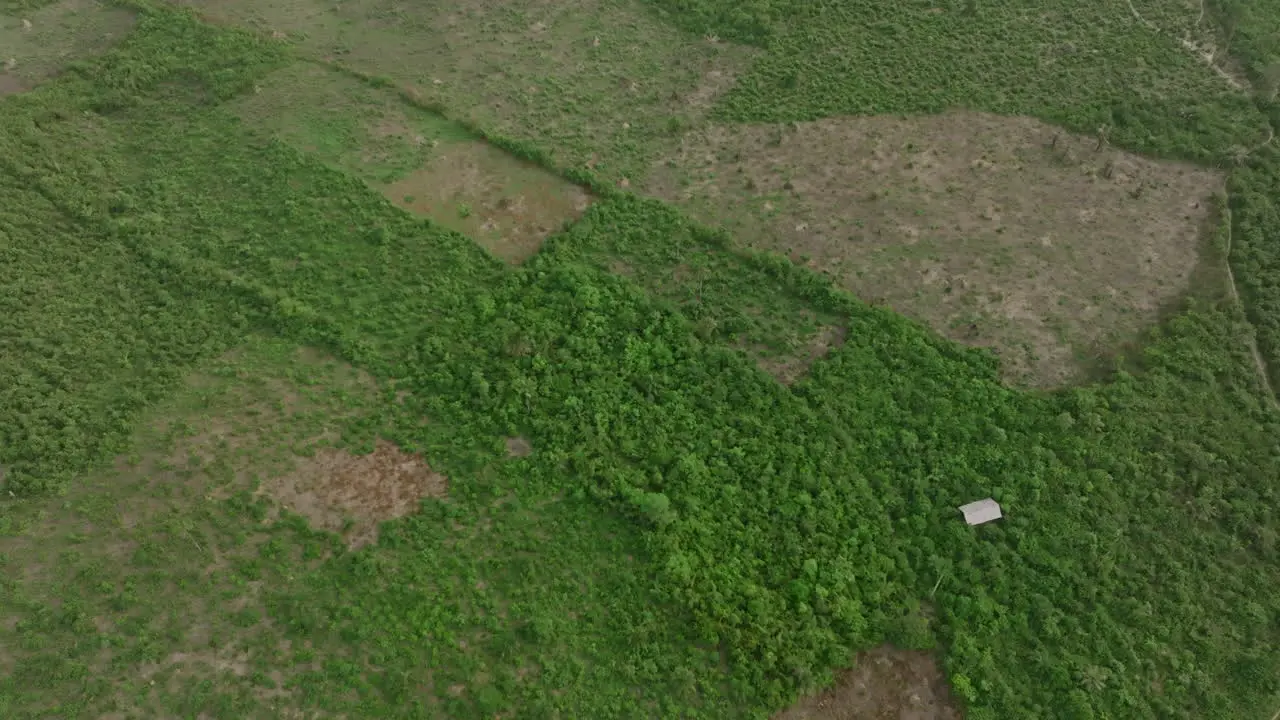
981 511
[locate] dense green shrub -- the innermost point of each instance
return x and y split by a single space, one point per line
805 525
1255 205
1251 31
1082 65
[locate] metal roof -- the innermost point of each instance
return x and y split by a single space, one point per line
981 511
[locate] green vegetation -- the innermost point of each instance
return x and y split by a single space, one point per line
346 122
1255 196
689 538
719 291
205 604
93 336
1082 65
1252 31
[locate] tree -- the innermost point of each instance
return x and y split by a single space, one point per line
1229 18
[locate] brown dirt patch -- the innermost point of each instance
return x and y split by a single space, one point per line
791 367
999 232
10 84
518 447
351 494
885 684
506 205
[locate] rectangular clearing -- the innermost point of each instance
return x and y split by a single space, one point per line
422 162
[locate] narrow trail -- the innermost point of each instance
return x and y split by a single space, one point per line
1271 135
1208 57
1206 54
1258 361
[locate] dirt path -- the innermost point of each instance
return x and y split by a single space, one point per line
1253 346
1207 54
1271 135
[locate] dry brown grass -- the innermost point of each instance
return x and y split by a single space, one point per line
506 205
351 494
1007 233
885 684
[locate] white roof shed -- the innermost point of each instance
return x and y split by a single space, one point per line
981 511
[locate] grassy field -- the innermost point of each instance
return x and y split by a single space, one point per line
363 360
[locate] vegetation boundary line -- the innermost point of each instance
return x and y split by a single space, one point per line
519 148
815 287
589 181
1258 360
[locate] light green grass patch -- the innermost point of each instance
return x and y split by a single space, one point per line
421 161
35 44
345 122
163 586
141 590
594 82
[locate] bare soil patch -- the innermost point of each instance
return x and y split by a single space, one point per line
886 684
351 494
791 367
506 205
1006 233
10 84
518 447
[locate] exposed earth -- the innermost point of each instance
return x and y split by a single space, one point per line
884 684
351 494
1051 249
